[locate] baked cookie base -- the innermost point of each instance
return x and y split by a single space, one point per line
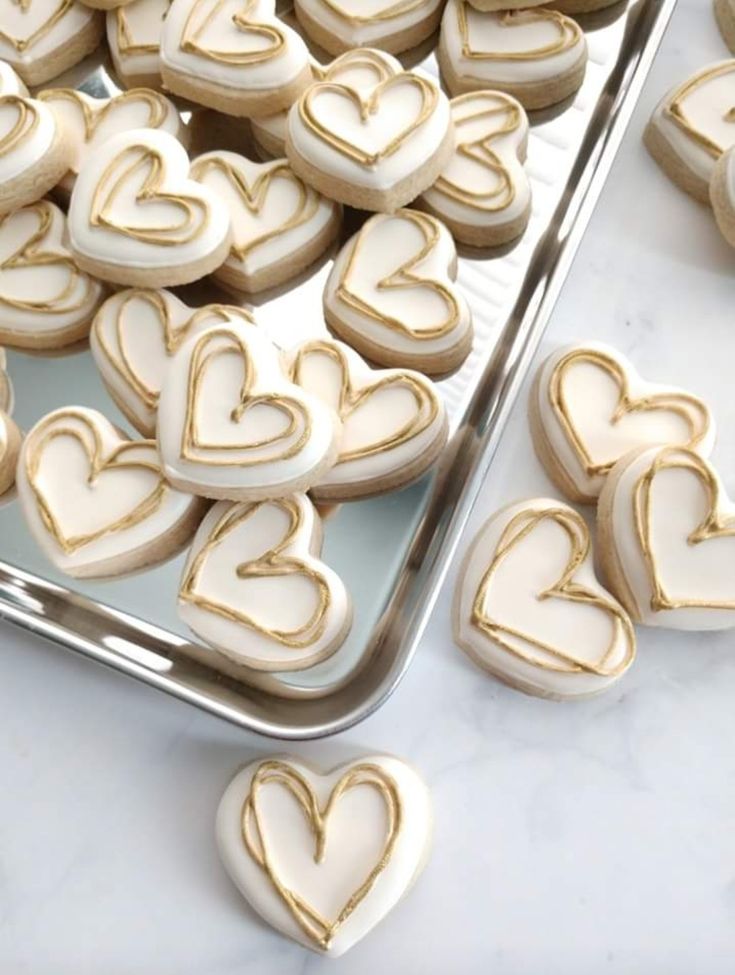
39 178
725 17
240 102
393 42
46 341
659 147
579 6
475 235
722 204
71 52
496 5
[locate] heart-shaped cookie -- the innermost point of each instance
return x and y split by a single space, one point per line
529 608
279 224
667 539
391 294
324 857
589 407
231 425
235 56
134 37
134 336
254 588
46 301
10 440
483 195
393 25
692 126
98 503
393 420
537 55
137 218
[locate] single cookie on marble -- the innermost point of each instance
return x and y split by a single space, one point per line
255 589
96 502
280 225
589 407
376 146
235 56
134 40
323 857
529 608
7 394
137 218
341 25
537 55
722 195
46 300
391 294
666 532
43 38
692 126
484 195
725 14
231 425
10 441
89 122
134 336
394 423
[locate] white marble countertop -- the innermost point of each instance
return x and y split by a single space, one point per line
570 838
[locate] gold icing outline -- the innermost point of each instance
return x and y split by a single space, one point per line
674 108
26 123
126 45
20 46
190 37
570 34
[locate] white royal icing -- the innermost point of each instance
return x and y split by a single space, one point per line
360 23
396 408
10 83
690 570
253 588
355 834
134 335
274 214
400 319
102 181
121 511
7 394
697 119
281 435
133 36
42 291
587 399
28 131
530 633
469 35
35 29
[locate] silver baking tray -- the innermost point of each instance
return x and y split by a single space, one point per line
393 552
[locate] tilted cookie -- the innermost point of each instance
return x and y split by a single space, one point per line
692 126
725 14
279 224
537 55
529 608
42 38
89 122
46 301
667 540
375 147
393 25
96 502
134 336
393 420
10 441
235 56
324 857
134 39
7 395
254 587
391 294
722 195
483 195
231 425
137 218
589 407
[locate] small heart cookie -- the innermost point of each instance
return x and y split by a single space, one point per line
96 502
7 396
89 122
528 606
391 294
46 301
134 336
231 425
667 540
43 38
279 224
588 407
393 25
324 857
134 38
375 147
722 195
235 56
725 14
10 441
136 217
483 195
393 421
692 126
537 55
254 588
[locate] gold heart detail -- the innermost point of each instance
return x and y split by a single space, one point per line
192 35
22 44
359 58
126 42
569 34
26 121
676 112
94 115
